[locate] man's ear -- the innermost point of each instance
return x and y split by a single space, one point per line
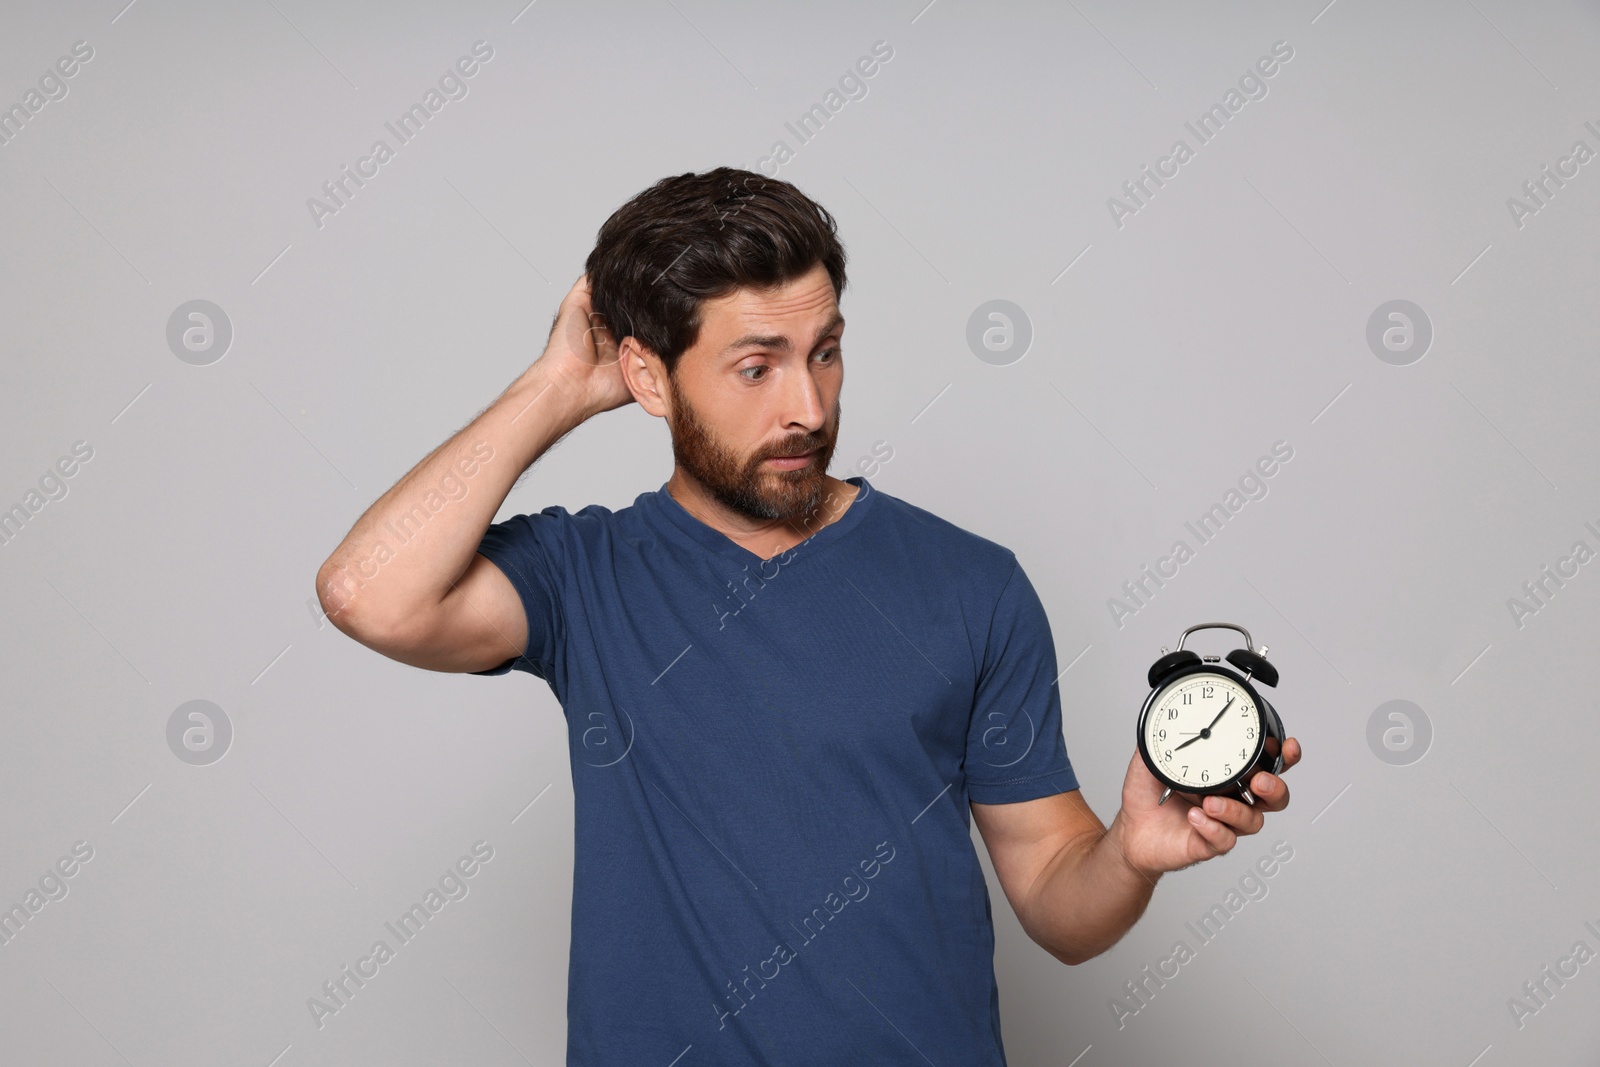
645 375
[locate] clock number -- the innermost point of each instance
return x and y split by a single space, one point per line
1161 735
1249 731
1227 768
1205 776
1172 713
1188 698
1186 770
1169 753
1208 690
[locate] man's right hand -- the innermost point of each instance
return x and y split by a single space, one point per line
583 355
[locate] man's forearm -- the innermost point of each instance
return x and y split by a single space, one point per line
1087 897
444 503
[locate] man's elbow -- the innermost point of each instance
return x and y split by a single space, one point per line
417 637
337 592
1054 941
1070 957
1082 951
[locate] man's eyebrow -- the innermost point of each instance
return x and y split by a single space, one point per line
779 342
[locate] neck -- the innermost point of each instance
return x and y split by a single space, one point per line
771 535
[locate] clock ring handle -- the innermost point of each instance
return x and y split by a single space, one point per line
1249 645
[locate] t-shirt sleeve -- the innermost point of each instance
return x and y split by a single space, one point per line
529 550
1015 749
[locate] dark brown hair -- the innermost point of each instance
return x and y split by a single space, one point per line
693 237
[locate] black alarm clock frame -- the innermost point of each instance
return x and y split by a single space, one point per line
1174 667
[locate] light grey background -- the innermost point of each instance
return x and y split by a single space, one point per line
1228 313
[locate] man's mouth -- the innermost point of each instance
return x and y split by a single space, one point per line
790 463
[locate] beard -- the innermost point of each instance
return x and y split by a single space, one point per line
743 484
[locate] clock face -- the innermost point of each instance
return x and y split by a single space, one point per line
1202 730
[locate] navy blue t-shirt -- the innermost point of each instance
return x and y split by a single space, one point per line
771 762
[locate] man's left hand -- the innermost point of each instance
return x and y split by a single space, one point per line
1187 829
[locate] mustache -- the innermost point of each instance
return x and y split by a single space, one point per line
811 443
797 450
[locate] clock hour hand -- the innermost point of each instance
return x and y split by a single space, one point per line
1207 731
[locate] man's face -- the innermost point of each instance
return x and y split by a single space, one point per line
762 381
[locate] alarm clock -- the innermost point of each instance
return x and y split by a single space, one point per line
1205 729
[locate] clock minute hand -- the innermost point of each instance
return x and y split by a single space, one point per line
1207 731
1224 710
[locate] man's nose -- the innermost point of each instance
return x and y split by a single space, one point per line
803 402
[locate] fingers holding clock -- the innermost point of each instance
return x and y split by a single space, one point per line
1270 788
1218 813
1270 791
1218 835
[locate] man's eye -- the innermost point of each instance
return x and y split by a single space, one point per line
827 355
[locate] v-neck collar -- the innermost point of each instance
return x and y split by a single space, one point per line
723 545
